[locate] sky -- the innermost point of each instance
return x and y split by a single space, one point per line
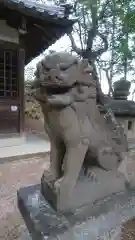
63 44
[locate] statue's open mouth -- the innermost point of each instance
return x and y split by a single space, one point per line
53 88
56 90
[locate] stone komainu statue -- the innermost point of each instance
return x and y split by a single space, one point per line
78 132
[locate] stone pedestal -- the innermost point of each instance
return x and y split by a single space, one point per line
101 220
97 208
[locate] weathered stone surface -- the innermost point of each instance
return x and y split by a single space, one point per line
99 184
66 91
102 220
41 220
121 89
127 167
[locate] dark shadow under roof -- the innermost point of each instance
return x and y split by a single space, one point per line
122 108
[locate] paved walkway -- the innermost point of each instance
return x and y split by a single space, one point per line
31 144
14 175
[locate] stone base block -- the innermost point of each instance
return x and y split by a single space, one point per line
98 185
101 220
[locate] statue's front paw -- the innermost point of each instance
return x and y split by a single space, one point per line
91 175
58 183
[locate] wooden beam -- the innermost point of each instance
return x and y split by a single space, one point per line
45 31
21 65
23 26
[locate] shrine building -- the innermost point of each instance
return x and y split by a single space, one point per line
26 30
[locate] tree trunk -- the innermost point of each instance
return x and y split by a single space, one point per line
87 54
125 32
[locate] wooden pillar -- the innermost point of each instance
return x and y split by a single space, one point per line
21 66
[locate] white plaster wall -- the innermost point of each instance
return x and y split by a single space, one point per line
7 33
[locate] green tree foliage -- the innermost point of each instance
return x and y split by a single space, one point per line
105 34
106 26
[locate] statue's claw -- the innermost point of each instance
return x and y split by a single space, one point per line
58 183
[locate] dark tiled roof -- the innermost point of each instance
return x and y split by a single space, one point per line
38 8
49 23
120 107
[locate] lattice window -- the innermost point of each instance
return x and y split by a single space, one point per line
9 86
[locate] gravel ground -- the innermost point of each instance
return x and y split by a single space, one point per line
128 230
19 173
14 175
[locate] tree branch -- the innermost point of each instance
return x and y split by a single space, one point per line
75 48
79 31
109 80
85 25
80 35
93 30
102 12
101 50
91 34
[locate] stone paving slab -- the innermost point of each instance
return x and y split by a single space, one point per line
32 144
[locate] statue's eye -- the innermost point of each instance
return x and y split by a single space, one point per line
47 69
64 68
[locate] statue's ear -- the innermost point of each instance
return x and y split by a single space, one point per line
83 64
